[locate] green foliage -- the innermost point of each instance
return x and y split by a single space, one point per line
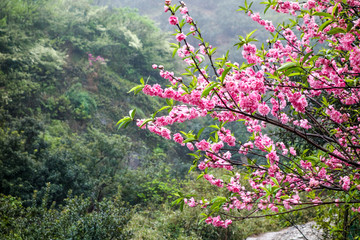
19 147
165 222
79 218
156 185
57 113
28 162
82 102
335 221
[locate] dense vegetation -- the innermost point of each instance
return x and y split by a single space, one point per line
65 170
58 111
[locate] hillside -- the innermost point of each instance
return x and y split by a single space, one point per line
219 21
66 68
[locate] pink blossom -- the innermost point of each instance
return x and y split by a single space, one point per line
189 19
229 221
178 138
292 151
202 165
190 146
305 164
256 17
218 182
273 208
345 183
273 157
191 202
180 37
316 200
209 220
313 182
356 209
173 20
203 145
208 177
263 109
217 146
139 122
183 10
192 29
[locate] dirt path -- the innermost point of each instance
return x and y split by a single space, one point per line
291 233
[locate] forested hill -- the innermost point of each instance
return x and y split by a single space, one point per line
219 21
65 70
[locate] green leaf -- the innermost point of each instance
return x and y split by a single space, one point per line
313 58
193 154
249 35
267 8
335 10
170 102
252 40
200 131
294 74
174 52
189 140
325 24
275 181
192 168
323 14
136 88
272 76
325 102
201 220
182 23
312 158
209 87
183 87
132 113
287 66
146 121
182 206
124 122
161 109
218 199
177 201
291 70
306 57
200 176
335 31
217 202
224 74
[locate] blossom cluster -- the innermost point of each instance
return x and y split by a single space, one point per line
93 59
313 95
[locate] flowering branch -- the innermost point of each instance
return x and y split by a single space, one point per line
312 94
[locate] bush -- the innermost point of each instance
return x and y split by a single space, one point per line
79 218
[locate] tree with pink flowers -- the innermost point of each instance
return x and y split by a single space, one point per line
302 83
